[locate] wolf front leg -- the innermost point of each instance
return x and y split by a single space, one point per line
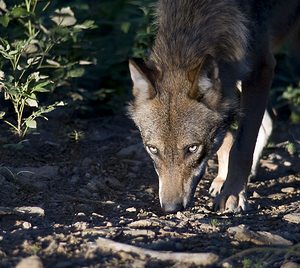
253 103
223 158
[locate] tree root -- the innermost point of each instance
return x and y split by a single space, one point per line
198 259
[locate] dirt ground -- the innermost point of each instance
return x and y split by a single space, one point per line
77 181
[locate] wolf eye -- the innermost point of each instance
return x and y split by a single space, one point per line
152 149
192 149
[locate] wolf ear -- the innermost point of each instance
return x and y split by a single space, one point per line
142 78
205 82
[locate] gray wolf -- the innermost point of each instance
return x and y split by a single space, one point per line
185 93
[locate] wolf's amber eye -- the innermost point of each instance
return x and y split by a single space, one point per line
192 149
152 149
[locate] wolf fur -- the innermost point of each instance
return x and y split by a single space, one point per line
184 94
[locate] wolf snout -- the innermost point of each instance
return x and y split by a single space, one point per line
172 207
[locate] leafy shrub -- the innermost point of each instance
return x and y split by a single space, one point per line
32 59
124 30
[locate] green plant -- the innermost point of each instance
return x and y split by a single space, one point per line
247 263
21 92
292 96
214 223
29 63
76 135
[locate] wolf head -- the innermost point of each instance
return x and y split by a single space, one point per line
182 117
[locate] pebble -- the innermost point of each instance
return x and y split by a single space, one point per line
287 163
30 262
97 215
256 195
132 209
143 224
292 217
80 225
109 224
139 232
288 190
26 225
31 210
122 222
227 265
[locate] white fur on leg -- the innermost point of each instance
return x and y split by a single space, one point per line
262 140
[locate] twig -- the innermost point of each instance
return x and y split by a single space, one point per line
276 251
198 259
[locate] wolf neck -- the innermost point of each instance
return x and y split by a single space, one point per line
190 29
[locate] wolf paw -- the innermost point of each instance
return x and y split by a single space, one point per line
216 186
230 202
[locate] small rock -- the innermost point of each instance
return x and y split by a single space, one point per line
243 234
292 217
143 224
122 222
290 264
255 195
97 215
277 196
227 265
132 209
31 210
268 164
30 262
81 225
109 224
139 232
288 190
26 225
287 163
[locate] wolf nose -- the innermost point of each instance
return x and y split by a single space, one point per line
172 207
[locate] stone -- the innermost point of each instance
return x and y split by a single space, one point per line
132 209
26 225
292 217
139 232
288 190
31 210
30 262
143 224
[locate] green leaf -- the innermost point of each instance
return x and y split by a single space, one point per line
18 12
76 73
2 114
64 17
53 63
125 26
4 20
41 87
88 24
31 124
32 103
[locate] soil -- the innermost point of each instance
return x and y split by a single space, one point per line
78 180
